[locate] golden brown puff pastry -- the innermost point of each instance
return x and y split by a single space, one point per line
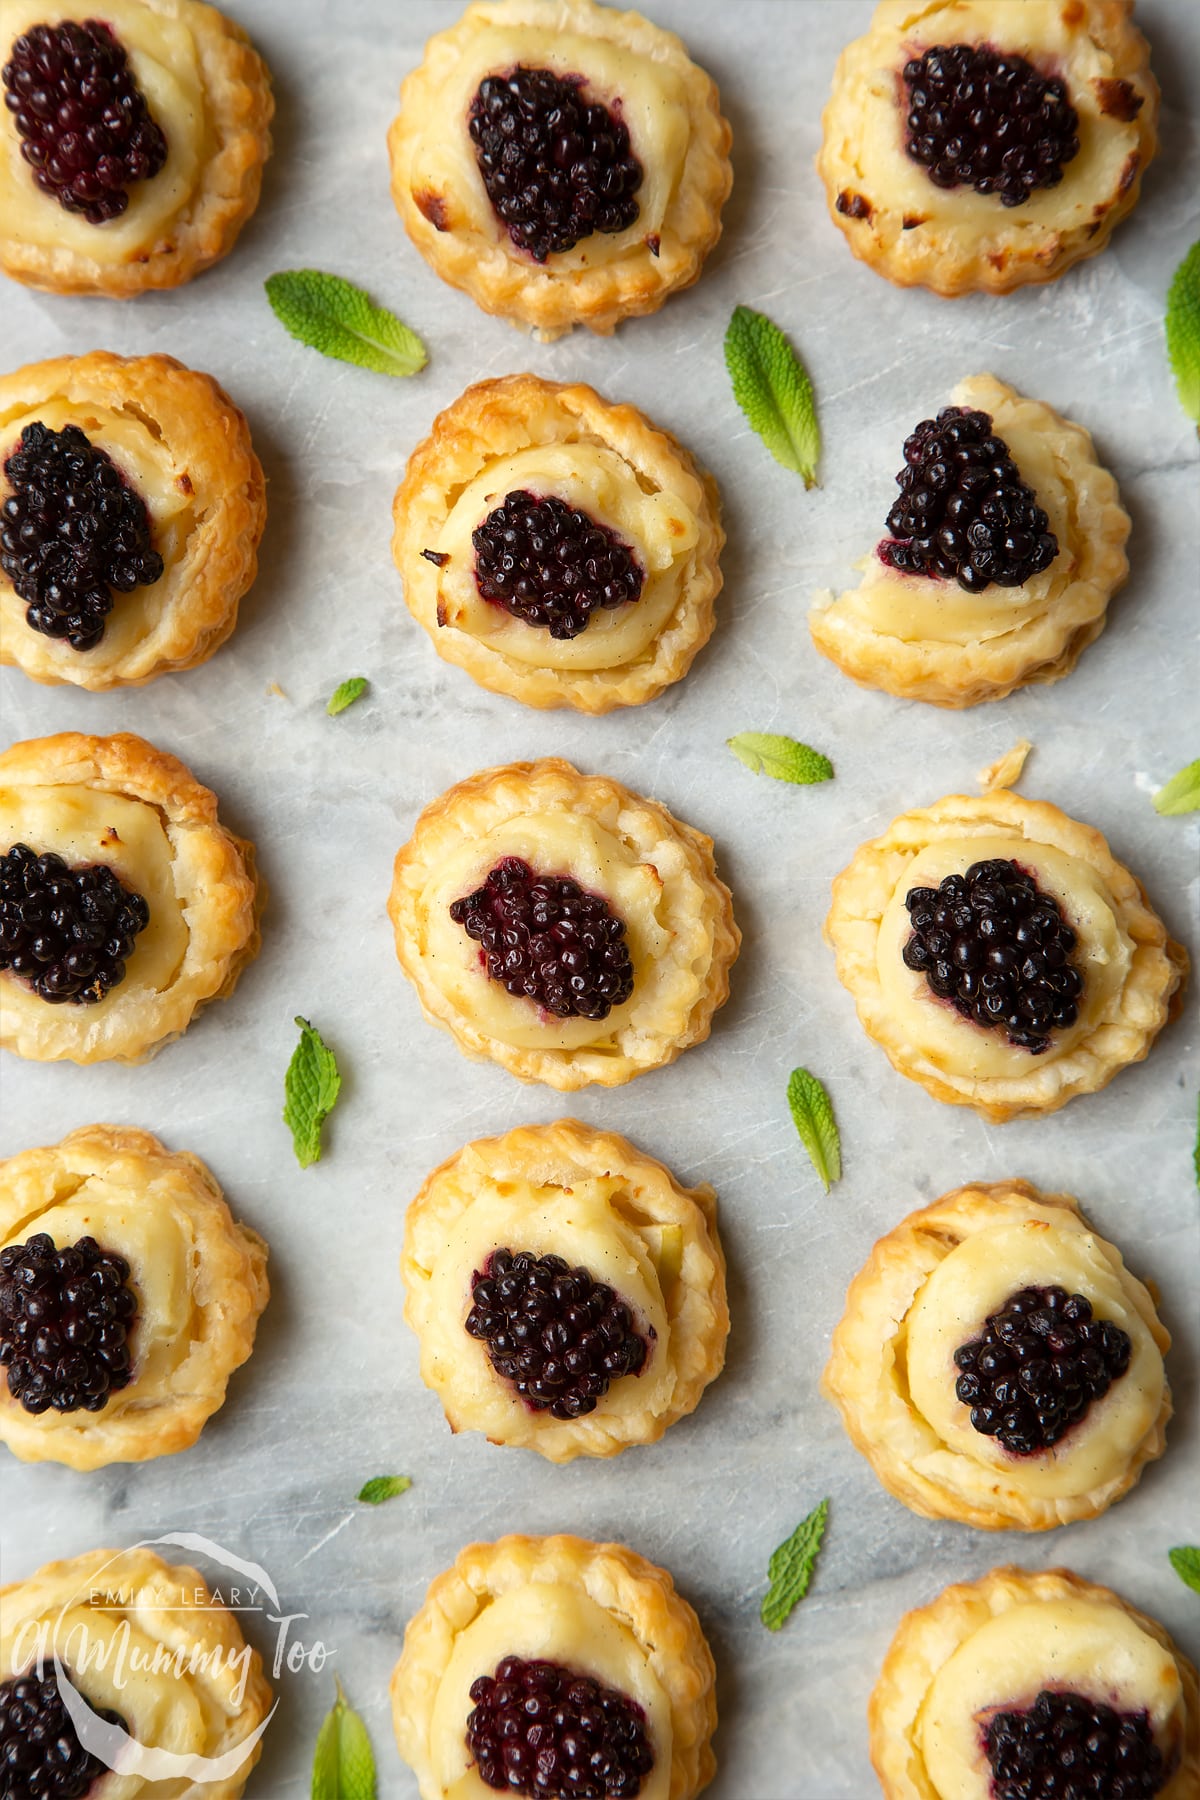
199 1277
522 434
1132 972
993 1645
956 240
210 93
119 803
929 1287
924 638
596 1609
591 1199
656 875
184 448
149 1641
643 75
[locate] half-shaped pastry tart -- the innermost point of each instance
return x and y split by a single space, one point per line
561 162
131 144
974 144
1001 955
125 905
555 1657
567 1293
131 508
562 926
1034 1683
1001 555
162 1684
560 549
998 1364
146 1295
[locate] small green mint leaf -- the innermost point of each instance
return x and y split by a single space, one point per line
384 1487
1185 1560
1182 793
812 1115
311 1089
345 694
343 1761
1183 331
333 316
782 758
790 1568
773 390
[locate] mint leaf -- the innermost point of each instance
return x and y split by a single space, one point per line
1185 1560
1182 792
310 1092
790 1568
1183 331
773 390
782 758
812 1115
345 694
340 320
343 1761
384 1487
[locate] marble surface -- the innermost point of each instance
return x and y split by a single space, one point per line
332 1395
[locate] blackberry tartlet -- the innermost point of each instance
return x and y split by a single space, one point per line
1000 555
562 170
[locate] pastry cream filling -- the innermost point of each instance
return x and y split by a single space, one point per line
660 528
1087 1647
647 96
957 1045
164 62
545 1621
975 1280
552 844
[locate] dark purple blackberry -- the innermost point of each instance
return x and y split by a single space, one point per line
988 121
557 1334
545 1731
556 166
999 948
41 1757
67 932
964 511
71 532
65 1320
1067 1747
548 941
1040 1363
551 565
86 131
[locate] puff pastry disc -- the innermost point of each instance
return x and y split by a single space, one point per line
657 874
1133 972
598 1608
544 437
673 114
184 447
955 240
995 1643
120 802
925 639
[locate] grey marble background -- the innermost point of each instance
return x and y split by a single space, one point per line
332 1395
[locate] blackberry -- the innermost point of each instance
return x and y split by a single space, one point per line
71 532
556 1333
1067 1747
964 511
999 948
65 1320
85 128
556 166
545 1731
548 941
1037 1368
551 565
66 932
989 121
41 1757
